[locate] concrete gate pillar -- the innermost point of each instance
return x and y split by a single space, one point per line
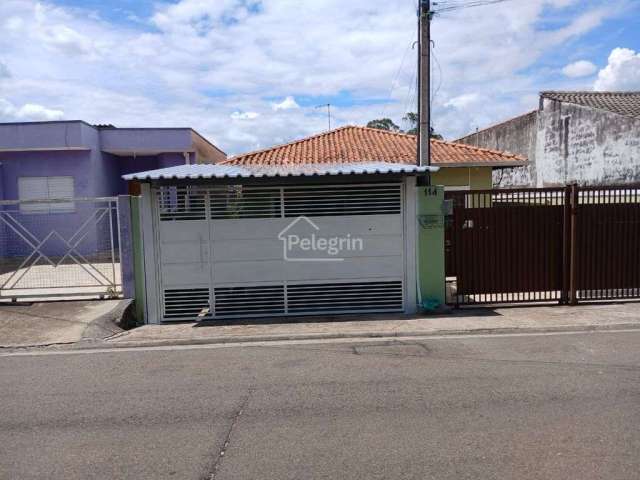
430 263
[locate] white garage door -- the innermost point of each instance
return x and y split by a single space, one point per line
236 251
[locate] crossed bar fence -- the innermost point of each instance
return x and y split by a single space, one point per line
61 248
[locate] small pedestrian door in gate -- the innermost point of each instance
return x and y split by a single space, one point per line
224 251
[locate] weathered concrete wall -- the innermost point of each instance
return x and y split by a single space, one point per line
518 136
566 143
586 145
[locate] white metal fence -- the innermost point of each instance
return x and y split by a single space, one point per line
54 249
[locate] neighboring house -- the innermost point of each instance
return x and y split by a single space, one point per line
461 166
76 159
72 160
591 138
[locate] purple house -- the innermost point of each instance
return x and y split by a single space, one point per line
76 160
92 157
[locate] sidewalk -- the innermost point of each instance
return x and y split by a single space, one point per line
496 320
58 323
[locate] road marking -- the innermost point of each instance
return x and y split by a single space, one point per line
328 341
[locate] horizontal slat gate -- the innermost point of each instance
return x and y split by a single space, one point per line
222 251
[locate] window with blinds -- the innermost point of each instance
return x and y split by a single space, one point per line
57 194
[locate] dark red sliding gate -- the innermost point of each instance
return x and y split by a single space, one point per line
543 245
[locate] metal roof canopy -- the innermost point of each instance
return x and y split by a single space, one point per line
216 171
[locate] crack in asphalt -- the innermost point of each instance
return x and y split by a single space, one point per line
225 445
34 346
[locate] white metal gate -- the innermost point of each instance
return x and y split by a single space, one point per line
223 251
52 249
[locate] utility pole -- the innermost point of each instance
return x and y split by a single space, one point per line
424 83
328 105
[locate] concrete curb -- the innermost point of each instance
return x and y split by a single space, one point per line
106 325
364 334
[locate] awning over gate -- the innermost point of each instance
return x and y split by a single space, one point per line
208 171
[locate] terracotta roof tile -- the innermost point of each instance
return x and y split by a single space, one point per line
353 144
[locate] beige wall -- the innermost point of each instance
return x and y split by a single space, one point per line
477 178
205 151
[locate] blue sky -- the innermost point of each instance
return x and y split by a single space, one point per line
250 73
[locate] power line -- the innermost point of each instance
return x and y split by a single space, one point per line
410 100
396 78
449 6
435 94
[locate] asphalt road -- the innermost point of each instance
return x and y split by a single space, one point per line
518 407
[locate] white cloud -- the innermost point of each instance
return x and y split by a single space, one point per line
200 15
4 71
6 110
33 111
244 115
28 111
621 73
464 101
287 104
581 68
206 62
48 25
66 40
13 24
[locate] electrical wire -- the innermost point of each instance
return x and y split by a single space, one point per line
437 90
394 83
448 6
396 78
411 98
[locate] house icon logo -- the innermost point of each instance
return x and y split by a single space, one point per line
302 241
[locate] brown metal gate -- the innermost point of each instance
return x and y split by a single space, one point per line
607 243
530 245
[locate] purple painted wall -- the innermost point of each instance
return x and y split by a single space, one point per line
96 158
1 182
43 164
40 164
43 135
142 163
142 139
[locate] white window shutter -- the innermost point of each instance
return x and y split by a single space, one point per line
33 188
61 188
46 188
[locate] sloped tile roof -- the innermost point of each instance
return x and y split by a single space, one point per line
353 144
623 103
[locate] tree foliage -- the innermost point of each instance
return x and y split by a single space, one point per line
384 124
411 118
